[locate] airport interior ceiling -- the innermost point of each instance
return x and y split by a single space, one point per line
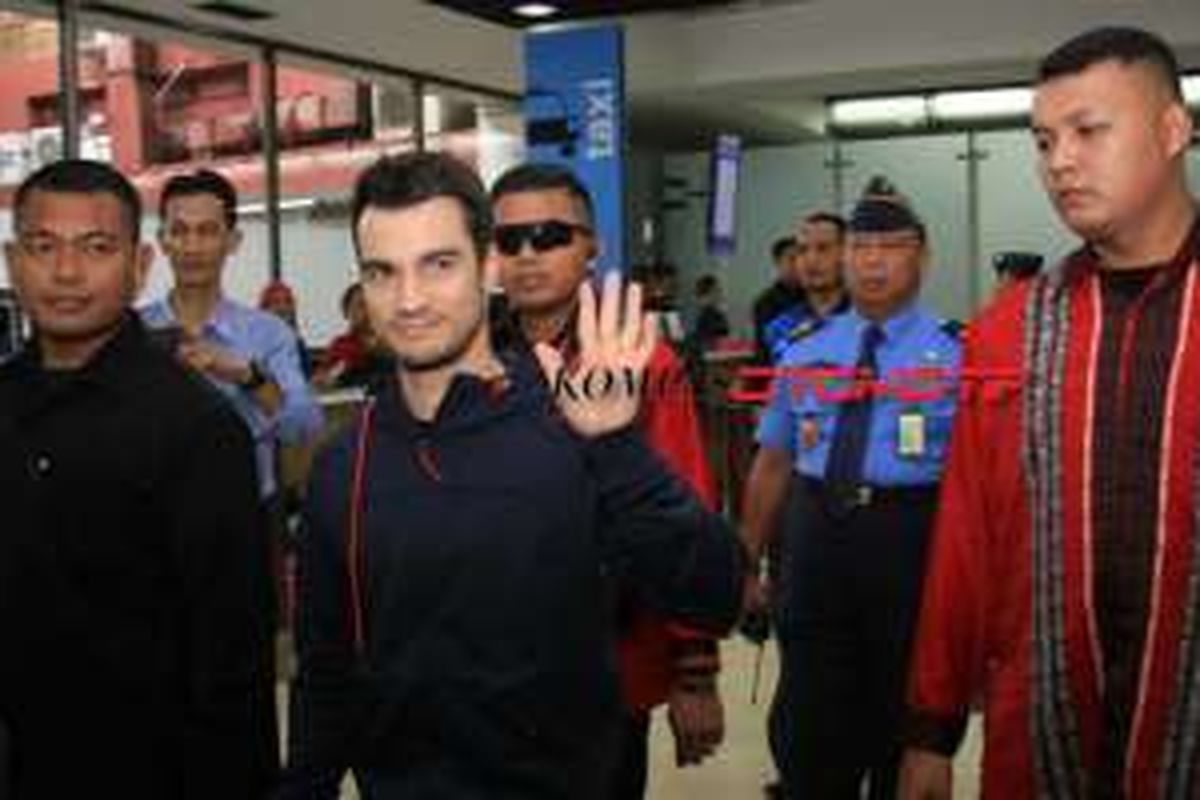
520 14
760 68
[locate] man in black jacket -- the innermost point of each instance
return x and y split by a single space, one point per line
781 295
134 596
456 635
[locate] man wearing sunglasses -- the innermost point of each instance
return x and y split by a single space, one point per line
545 244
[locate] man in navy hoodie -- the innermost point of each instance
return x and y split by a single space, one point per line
455 632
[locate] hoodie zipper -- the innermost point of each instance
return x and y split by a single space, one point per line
426 456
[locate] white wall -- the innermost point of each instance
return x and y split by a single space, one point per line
318 263
777 186
780 184
852 41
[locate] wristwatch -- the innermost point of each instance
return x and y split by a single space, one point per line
256 378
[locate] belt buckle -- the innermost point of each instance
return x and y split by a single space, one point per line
844 500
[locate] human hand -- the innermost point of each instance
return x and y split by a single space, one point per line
601 391
697 721
214 361
925 775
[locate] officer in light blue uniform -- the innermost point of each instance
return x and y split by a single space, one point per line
858 425
914 388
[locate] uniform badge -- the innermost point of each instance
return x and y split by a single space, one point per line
810 432
910 438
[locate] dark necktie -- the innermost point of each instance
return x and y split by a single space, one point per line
844 469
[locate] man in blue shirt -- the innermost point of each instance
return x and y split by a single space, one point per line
857 426
249 355
820 244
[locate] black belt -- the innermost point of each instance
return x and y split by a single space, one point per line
847 498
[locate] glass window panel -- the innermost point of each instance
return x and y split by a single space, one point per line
485 132
157 107
779 185
29 125
1014 211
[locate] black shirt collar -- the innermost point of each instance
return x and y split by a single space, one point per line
109 368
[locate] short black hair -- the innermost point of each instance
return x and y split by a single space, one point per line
782 245
1018 264
81 176
542 177
403 181
707 284
828 218
202 181
1124 45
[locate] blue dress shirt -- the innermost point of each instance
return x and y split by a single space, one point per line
916 391
255 335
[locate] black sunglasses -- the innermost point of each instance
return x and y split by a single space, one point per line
542 236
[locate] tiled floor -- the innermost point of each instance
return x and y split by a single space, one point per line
743 765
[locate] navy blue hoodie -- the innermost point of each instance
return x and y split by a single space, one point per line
486 663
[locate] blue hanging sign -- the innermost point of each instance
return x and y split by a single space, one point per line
575 116
722 196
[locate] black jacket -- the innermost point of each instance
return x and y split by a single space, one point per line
134 600
774 300
488 663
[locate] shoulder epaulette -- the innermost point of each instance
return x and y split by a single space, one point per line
804 329
953 328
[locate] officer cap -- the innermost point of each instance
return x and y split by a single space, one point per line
882 209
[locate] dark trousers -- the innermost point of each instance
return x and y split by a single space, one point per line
5 765
629 776
851 595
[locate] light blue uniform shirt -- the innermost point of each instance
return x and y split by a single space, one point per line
255 335
915 396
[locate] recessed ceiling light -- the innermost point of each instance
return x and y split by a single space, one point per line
535 10
237 10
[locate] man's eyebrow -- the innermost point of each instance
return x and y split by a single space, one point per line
93 233
374 263
440 253
1073 118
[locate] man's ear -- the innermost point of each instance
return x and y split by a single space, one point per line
235 241
1177 127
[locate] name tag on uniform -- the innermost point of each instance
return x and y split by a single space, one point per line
910 438
810 432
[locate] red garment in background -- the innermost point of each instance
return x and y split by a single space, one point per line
672 427
346 349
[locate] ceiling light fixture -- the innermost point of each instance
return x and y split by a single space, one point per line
954 109
982 104
535 10
906 111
